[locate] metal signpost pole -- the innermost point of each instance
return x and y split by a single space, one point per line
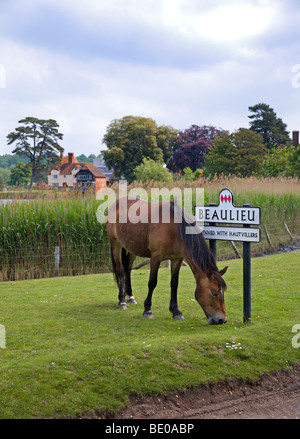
213 242
247 277
227 213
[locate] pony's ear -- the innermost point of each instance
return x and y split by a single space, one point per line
222 272
210 273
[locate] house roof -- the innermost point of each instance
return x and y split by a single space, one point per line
65 160
67 168
92 168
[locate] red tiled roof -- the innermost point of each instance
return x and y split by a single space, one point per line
67 168
93 169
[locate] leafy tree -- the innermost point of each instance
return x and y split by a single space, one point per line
82 158
4 174
239 153
276 162
131 139
151 170
190 175
191 146
264 121
294 162
20 175
37 139
7 161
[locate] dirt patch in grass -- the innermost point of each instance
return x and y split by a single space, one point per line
273 396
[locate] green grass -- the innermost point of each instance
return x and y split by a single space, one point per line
70 350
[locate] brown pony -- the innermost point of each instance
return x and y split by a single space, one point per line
161 241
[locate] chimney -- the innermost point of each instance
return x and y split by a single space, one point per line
70 157
62 154
295 141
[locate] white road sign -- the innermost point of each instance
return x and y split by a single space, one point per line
227 212
232 233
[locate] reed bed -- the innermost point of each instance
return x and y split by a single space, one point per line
30 231
279 198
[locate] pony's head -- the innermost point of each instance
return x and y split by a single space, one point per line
210 295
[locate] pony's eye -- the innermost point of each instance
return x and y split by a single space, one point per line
214 293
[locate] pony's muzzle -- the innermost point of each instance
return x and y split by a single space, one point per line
217 320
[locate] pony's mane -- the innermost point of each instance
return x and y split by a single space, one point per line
198 249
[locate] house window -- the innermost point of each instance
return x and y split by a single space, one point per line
85 177
55 176
65 176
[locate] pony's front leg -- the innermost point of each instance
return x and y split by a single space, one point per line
175 267
154 266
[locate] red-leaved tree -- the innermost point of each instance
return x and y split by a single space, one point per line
192 144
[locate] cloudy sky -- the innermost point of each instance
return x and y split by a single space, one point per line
180 62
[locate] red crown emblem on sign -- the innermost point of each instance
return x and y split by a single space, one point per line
225 198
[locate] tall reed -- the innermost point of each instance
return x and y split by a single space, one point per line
29 231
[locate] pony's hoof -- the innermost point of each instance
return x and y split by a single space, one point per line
122 305
178 317
131 299
148 315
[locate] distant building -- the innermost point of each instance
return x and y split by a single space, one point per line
64 175
88 174
100 164
67 174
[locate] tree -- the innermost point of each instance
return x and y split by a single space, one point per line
37 139
276 162
264 121
151 170
294 163
4 174
188 174
239 153
131 139
20 175
7 161
191 146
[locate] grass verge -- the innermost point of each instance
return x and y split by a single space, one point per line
70 350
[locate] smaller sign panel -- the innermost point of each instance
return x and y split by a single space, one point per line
232 233
227 213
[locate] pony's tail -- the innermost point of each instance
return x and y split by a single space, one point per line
125 262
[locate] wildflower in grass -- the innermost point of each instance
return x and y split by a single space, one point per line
233 345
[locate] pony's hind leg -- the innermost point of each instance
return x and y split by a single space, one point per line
175 267
127 261
154 266
118 269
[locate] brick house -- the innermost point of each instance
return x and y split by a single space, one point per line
65 175
88 174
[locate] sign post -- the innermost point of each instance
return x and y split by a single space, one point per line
213 242
247 280
227 213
